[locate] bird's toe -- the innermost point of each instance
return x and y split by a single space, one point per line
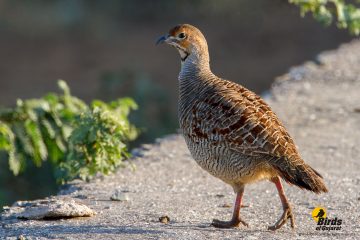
287 214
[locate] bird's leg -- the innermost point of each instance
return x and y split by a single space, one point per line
286 206
235 220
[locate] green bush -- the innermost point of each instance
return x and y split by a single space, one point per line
79 140
347 15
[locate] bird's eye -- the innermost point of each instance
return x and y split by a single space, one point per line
182 35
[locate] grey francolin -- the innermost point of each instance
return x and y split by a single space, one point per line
231 132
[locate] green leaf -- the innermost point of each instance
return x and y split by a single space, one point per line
64 87
23 139
39 148
14 162
6 137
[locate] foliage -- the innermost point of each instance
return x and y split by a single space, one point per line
347 14
98 140
78 139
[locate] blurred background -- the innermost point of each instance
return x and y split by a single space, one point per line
105 50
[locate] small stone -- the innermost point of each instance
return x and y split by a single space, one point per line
219 195
81 196
226 205
21 237
6 208
119 196
146 146
164 219
357 109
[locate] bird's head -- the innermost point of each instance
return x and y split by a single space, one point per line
188 40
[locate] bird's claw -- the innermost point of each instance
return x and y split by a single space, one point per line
283 219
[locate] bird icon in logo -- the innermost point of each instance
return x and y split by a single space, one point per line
318 212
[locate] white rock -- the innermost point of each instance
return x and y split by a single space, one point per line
49 209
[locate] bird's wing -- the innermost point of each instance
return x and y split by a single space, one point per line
234 116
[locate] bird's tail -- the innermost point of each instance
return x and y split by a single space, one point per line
298 173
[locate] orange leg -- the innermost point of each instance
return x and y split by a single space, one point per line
286 206
235 220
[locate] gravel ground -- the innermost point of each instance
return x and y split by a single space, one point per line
320 105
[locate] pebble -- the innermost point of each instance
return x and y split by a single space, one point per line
226 205
21 237
119 196
164 219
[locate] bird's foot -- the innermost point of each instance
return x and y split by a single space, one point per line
285 216
229 224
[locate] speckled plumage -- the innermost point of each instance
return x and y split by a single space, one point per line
230 131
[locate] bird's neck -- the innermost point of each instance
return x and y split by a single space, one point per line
194 68
194 76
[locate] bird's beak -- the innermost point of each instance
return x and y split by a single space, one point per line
162 39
